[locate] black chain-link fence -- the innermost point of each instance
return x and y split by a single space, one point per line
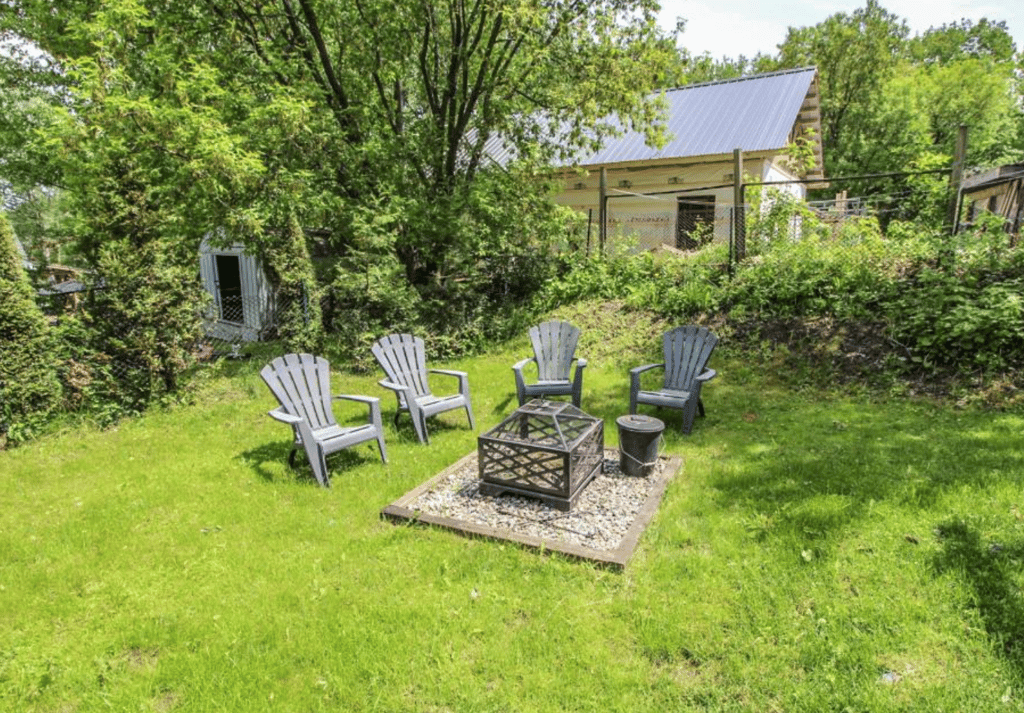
100 343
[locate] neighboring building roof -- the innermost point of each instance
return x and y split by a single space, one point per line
68 287
993 177
761 112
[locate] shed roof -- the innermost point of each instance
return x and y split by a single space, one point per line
761 112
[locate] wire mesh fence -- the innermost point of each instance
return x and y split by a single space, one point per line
690 220
685 223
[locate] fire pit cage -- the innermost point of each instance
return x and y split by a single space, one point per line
545 449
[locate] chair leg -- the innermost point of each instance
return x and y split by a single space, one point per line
689 411
318 462
380 446
419 423
469 412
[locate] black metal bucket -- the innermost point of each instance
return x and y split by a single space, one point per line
639 441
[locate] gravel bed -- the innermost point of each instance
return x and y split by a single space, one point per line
603 513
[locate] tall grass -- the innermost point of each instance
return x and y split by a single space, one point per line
817 552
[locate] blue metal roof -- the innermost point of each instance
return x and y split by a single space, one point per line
754 113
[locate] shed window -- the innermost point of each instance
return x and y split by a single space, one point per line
695 222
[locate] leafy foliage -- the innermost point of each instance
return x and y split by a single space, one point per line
891 102
145 319
970 315
29 390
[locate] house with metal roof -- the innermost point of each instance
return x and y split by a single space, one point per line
681 194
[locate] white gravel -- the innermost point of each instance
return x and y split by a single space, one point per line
601 517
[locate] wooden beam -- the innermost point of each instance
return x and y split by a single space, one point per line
956 178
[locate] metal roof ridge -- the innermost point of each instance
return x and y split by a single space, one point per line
733 80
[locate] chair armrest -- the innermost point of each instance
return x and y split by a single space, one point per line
397 388
462 376
280 415
448 372
707 375
634 378
372 401
646 367
520 365
577 377
359 398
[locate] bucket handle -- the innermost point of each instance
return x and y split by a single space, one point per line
661 452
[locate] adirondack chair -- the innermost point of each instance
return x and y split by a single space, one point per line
687 350
403 359
554 351
302 385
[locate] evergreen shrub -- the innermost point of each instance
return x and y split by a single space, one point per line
29 389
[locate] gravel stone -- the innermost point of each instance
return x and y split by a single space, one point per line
601 517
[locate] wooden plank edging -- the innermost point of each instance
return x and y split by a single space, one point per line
400 511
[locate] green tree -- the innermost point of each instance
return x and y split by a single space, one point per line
894 103
411 98
29 388
856 54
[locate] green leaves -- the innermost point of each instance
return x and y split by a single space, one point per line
29 390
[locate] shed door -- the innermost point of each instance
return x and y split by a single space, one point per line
229 288
695 222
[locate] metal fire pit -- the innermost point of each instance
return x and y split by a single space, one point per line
546 449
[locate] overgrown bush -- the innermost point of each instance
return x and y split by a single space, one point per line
967 309
461 270
29 390
299 318
143 321
846 271
922 300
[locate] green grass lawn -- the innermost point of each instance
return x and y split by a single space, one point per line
816 553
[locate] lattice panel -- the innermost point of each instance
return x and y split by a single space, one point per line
586 457
546 448
524 467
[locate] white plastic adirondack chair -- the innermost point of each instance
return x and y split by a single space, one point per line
302 385
687 351
554 351
403 359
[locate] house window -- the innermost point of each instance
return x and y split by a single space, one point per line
695 222
229 288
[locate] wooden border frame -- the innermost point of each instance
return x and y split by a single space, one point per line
400 511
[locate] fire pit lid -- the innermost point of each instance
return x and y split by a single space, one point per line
542 422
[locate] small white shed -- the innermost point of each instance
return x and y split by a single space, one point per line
243 307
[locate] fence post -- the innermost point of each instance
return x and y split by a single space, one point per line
956 178
602 210
738 233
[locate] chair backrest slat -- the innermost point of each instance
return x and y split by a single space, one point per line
687 351
554 346
403 358
302 385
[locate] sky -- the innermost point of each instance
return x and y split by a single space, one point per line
752 26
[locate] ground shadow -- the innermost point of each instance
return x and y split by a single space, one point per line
988 568
277 453
803 470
